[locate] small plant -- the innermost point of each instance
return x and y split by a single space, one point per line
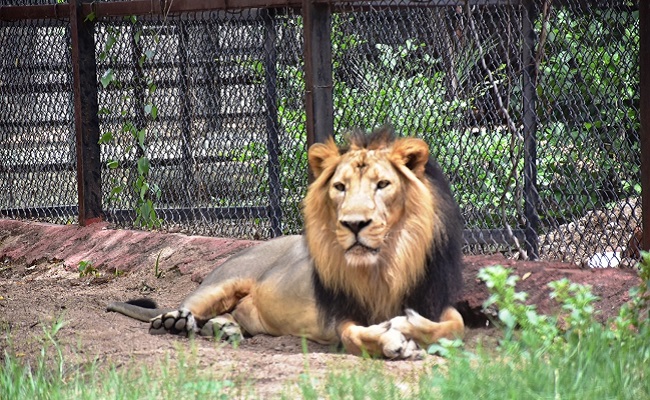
86 268
145 191
632 318
157 272
577 316
513 312
447 348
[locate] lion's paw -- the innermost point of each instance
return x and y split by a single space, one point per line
180 322
396 346
223 327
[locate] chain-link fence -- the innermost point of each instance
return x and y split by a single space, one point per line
531 107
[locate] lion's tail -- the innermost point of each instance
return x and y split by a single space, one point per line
140 309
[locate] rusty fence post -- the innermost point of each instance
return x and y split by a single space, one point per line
317 20
272 123
86 120
644 112
529 82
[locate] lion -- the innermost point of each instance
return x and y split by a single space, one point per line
376 269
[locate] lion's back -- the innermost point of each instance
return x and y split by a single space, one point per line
286 254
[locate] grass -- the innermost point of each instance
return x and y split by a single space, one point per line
564 356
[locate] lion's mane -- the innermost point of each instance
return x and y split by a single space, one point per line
421 270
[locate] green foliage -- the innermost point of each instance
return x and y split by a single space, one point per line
145 191
49 376
157 272
86 268
588 108
633 316
410 95
569 355
530 332
368 381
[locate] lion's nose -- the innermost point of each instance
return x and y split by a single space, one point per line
357 225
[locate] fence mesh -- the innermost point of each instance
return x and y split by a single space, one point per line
37 151
193 94
532 111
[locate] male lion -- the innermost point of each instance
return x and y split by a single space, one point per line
378 264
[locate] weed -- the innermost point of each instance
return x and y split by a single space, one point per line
157 272
86 268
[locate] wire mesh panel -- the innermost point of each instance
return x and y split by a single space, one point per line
192 109
531 108
451 75
588 145
37 143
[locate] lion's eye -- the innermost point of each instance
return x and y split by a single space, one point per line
382 184
339 186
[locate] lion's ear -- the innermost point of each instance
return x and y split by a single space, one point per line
322 156
412 153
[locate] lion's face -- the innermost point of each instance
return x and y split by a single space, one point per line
366 193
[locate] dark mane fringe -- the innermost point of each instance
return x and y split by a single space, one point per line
335 306
443 279
380 137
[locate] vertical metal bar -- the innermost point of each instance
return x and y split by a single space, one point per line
530 128
644 112
317 19
185 116
272 125
86 120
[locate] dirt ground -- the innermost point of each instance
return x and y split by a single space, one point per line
40 282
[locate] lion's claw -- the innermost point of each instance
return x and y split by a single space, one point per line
223 327
396 346
180 322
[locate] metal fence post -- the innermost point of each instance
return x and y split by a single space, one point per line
644 112
530 127
272 125
317 19
86 120
188 165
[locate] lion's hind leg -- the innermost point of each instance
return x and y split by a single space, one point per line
206 311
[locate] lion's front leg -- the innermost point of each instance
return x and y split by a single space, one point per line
426 332
377 340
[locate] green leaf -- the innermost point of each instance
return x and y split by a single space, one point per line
141 135
143 166
110 42
143 190
112 164
106 138
107 78
507 318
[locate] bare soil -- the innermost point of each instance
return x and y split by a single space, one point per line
40 282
